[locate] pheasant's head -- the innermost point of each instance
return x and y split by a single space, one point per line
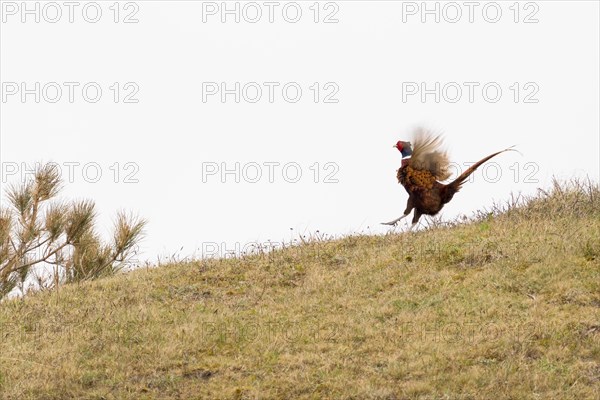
404 147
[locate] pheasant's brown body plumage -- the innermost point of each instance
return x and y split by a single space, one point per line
421 175
426 194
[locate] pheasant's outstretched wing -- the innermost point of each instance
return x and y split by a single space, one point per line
428 156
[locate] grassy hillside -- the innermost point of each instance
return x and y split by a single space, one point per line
506 306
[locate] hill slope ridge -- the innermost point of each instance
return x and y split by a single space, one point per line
505 306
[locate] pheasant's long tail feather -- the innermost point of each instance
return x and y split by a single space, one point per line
456 184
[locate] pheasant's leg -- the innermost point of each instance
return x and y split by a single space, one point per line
415 220
394 222
409 208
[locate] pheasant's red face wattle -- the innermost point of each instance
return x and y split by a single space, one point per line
404 147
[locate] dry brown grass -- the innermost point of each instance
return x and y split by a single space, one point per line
504 307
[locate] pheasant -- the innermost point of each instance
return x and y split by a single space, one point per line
422 169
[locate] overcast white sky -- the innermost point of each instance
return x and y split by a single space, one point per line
361 67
